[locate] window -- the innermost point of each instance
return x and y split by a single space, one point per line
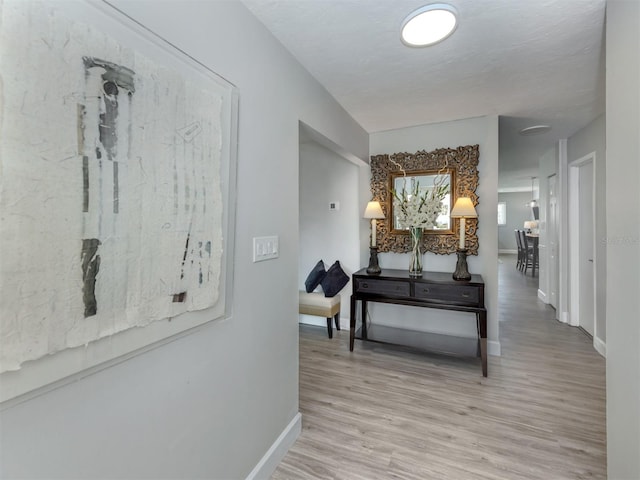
502 213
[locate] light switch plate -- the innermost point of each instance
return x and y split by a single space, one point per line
265 248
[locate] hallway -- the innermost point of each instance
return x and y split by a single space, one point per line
389 412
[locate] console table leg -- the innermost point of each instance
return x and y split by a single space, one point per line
483 355
364 320
482 327
352 323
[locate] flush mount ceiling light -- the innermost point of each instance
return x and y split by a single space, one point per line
535 130
429 25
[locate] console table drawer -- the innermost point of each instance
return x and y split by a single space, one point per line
383 287
449 293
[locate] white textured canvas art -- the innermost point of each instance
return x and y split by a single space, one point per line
110 187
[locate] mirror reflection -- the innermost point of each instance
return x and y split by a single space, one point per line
422 198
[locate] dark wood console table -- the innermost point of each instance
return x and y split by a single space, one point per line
432 290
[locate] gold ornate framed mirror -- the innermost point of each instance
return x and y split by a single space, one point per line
456 167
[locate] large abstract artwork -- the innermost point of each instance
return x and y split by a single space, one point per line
113 185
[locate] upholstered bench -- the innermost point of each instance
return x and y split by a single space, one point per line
315 303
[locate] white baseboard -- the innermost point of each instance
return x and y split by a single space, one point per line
320 321
564 318
493 348
506 250
600 346
269 462
542 296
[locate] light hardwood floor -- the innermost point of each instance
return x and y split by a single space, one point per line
384 412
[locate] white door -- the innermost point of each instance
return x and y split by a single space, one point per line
585 248
552 240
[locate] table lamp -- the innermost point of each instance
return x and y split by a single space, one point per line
462 209
530 225
374 212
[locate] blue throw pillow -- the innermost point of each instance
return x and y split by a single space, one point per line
334 280
315 277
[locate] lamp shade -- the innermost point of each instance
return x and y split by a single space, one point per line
373 210
464 208
530 224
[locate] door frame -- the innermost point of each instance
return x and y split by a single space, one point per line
553 236
574 251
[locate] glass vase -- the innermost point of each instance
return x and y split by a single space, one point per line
415 263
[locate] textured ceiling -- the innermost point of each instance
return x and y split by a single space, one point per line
529 61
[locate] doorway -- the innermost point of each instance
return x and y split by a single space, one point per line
581 243
329 212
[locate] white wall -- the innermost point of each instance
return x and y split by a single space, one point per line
518 211
591 139
325 234
484 132
210 404
623 239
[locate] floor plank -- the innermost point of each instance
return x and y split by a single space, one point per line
383 412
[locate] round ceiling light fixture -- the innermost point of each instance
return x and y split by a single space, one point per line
429 25
535 130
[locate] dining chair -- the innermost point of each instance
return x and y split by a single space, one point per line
519 262
529 258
